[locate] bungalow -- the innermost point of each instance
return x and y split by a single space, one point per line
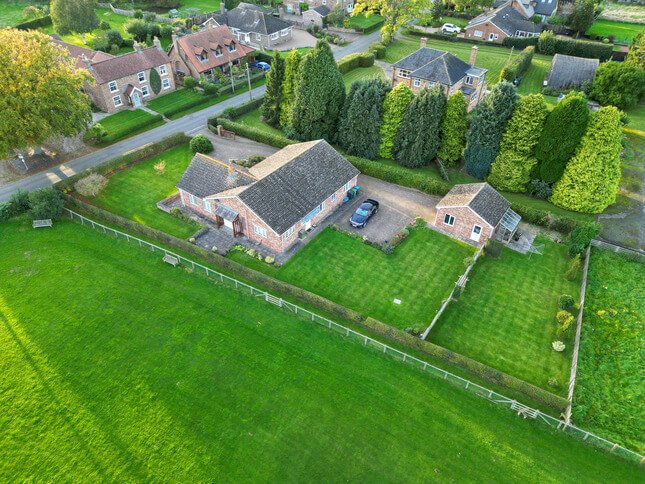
124 81
251 25
474 213
427 67
273 201
511 19
569 72
206 52
316 16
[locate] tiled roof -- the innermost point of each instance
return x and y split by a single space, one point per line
251 20
569 71
208 40
207 176
436 66
323 10
546 7
507 19
483 199
128 64
78 52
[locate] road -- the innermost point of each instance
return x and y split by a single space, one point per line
186 124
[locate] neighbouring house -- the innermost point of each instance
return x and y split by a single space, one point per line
569 72
298 7
511 19
316 16
80 53
252 26
427 67
476 212
207 52
124 81
545 8
275 201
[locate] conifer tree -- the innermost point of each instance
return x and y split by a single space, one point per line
453 130
511 170
320 95
562 132
270 109
486 128
396 102
590 180
417 139
289 85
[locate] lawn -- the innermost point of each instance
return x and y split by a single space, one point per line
362 73
362 21
624 12
205 6
506 316
623 32
11 11
126 123
134 192
610 396
118 367
421 273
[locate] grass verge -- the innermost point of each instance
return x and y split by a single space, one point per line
127 123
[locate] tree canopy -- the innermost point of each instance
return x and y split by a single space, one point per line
289 84
270 109
582 16
395 13
620 84
41 89
453 130
394 107
636 54
78 16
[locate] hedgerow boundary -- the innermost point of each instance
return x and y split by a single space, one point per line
490 395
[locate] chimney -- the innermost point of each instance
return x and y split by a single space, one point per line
87 62
157 43
222 8
137 47
473 55
423 42
281 12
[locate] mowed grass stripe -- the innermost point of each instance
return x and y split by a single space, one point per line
118 366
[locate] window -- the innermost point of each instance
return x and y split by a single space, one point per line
474 97
289 232
284 32
492 36
449 220
258 37
479 33
218 52
261 231
322 207
347 186
203 57
162 70
231 48
470 80
417 83
324 2
165 83
404 74
477 230
333 198
274 36
144 91
142 76
192 198
117 101
350 7
207 206
113 87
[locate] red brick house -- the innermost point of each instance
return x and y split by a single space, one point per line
511 19
273 201
474 213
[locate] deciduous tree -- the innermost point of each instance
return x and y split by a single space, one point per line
582 17
619 84
394 107
270 109
563 129
511 170
74 16
289 84
41 91
486 128
395 13
590 181
453 130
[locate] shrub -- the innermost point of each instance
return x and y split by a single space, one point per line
539 189
378 49
160 167
153 30
549 44
619 84
210 89
190 82
553 383
493 248
582 236
17 204
165 31
103 25
574 268
149 17
96 133
558 346
91 185
201 144
565 325
566 302
563 316
354 61
45 203
138 14
517 65
269 260
114 37
387 247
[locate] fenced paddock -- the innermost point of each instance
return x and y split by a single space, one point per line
490 395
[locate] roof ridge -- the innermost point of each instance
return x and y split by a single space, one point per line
226 165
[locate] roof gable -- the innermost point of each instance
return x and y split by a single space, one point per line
568 71
206 41
481 198
436 66
206 176
128 64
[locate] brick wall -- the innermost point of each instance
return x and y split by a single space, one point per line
486 29
463 224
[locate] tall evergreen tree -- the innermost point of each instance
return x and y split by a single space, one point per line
396 102
289 85
418 137
564 128
486 128
74 16
453 130
270 109
320 95
590 181
511 170
360 124
583 15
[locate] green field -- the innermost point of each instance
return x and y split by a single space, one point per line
118 367
134 192
363 278
204 6
506 316
126 123
362 21
622 31
610 396
11 11
362 73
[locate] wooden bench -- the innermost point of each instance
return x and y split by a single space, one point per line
42 223
173 261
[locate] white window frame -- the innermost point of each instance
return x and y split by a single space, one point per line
289 232
140 75
261 231
274 36
114 87
232 48
218 53
145 91
478 33
417 83
449 220
192 199
403 73
324 2
284 32
347 186
333 198
207 206
162 70
117 101
470 80
258 37
165 83
474 97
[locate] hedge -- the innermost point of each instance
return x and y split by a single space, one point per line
125 130
128 158
549 44
45 21
189 105
235 112
518 65
449 38
372 28
354 61
250 132
378 48
519 43
484 372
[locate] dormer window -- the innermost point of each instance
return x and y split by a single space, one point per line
218 52
231 48
470 80
405 74
203 56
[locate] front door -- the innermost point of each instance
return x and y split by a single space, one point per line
136 100
476 233
228 223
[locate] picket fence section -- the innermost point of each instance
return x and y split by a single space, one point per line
490 395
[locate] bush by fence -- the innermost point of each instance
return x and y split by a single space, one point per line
518 65
127 159
45 21
354 61
249 132
378 48
235 112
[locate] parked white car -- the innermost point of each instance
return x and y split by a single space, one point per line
450 29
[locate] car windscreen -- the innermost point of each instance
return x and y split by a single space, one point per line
361 211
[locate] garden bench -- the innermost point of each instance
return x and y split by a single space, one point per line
42 223
173 261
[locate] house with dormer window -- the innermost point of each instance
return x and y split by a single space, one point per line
206 52
428 67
